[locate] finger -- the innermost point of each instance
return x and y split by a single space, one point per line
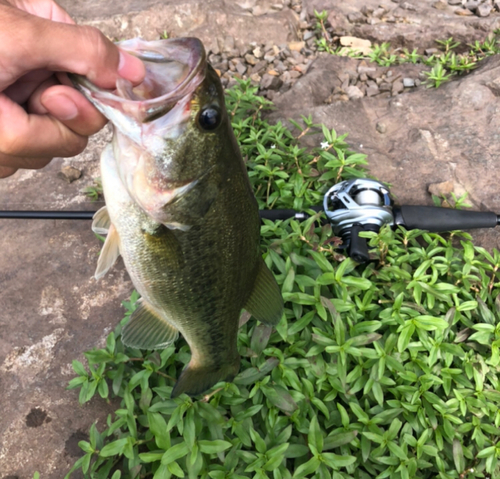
24 87
37 136
36 43
5 171
72 109
12 163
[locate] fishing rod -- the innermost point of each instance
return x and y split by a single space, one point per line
351 206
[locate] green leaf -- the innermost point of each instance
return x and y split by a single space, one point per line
308 467
113 448
213 447
315 436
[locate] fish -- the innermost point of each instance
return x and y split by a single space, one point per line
181 212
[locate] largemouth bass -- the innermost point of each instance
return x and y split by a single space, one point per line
181 212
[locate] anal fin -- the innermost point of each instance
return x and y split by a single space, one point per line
265 302
146 330
109 253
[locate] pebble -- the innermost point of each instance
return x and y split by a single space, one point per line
381 127
408 82
483 10
257 52
255 77
356 17
69 173
408 6
372 90
440 5
385 86
397 87
354 93
430 51
472 4
454 2
378 12
250 59
309 34
464 12
270 82
296 46
260 67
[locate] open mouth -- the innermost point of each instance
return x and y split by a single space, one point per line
174 69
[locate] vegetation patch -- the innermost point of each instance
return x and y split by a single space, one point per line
385 370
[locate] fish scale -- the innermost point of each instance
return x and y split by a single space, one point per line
181 212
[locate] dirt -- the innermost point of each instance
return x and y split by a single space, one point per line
52 310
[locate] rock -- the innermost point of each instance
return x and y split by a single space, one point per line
385 86
484 10
408 82
228 44
356 17
255 77
257 52
372 90
454 2
440 5
464 12
260 67
354 93
378 12
309 34
240 68
250 59
296 46
363 77
357 44
431 51
270 82
69 173
367 10
397 87
408 6
441 189
381 127
472 4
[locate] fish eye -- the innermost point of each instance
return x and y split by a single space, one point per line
209 118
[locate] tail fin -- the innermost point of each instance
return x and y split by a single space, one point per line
194 381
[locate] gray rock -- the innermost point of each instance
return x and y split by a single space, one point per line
260 67
309 34
472 4
381 127
397 87
408 6
270 82
484 10
385 86
354 93
372 90
378 12
408 82
356 17
455 2
240 68
228 44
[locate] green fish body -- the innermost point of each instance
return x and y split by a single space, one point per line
181 212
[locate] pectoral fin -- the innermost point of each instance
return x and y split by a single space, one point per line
265 303
146 330
101 221
109 253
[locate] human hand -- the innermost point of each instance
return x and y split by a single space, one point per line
41 115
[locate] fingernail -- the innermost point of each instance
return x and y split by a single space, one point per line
131 68
60 106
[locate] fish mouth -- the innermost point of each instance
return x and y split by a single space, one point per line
174 69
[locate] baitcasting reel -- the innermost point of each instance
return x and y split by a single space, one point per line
362 204
354 206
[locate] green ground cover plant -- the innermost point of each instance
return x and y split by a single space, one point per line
443 64
385 370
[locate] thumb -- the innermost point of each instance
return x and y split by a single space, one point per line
30 42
